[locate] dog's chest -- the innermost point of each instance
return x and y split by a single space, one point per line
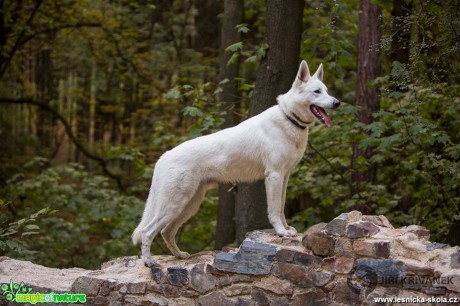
297 155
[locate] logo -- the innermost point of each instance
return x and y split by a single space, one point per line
367 274
20 293
362 278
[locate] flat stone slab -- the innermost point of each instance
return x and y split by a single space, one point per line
253 258
38 276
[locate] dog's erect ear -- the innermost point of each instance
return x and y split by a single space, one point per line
303 75
319 72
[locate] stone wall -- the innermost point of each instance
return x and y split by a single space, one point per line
348 261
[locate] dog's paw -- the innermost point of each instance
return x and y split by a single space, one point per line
290 228
183 255
149 262
286 233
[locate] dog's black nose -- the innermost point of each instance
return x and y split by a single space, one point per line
336 103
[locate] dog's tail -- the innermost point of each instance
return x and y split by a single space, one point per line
147 216
137 234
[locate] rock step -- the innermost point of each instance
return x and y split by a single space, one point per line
348 261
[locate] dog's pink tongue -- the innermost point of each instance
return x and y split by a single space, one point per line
327 121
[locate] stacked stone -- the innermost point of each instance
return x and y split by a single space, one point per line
370 258
348 261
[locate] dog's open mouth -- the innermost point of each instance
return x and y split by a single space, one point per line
321 114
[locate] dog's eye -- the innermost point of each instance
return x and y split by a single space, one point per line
317 91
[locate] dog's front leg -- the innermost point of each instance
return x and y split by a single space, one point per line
274 183
283 203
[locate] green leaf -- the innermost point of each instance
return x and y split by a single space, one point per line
367 142
173 93
262 51
32 227
251 59
390 141
233 59
12 244
235 47
242 28
443 138
192 111
246 87
377 128
29 234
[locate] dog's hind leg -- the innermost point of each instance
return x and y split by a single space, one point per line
169 232
148 234
283 203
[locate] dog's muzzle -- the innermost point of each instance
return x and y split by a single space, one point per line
335 103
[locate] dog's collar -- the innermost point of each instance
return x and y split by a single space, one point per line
293 121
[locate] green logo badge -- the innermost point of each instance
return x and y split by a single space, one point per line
20 293
12 289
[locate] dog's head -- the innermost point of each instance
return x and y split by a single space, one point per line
308 97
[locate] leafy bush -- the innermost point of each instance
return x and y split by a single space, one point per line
12 235
418 158
88 221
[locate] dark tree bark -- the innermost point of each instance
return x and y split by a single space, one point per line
400 51
206 21
229 99
44 79
400 43
283 29
367 98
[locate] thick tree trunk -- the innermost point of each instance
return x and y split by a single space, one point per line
367 98
283 29
229 99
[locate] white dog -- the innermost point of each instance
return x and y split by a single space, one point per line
267 146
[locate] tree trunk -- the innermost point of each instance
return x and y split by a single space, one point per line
73 116
62 141
92 106
229 99
400 43
206 20
367 98
283 29
44 78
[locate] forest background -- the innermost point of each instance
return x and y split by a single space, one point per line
93 92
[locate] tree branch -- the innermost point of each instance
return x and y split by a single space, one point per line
102 162
59 28
17 43
128 61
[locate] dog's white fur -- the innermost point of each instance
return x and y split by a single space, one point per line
265 146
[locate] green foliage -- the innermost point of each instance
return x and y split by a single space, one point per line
242 28
12 234
252 52
91 221
204 116
414 137
88 220
129 155
153 71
